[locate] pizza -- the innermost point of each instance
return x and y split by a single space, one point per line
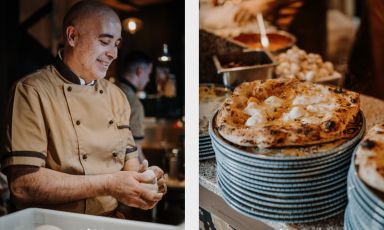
370 157
286 112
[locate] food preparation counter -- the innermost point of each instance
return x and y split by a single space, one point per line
210 198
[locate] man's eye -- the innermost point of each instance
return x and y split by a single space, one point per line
104 42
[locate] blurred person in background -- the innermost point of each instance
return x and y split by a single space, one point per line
135 75
366 64
304 18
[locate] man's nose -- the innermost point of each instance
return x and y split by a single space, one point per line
112 53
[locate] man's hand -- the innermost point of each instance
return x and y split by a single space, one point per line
248 10
126 188
161 178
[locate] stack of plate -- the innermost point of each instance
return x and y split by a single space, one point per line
290 189
205 148
365 208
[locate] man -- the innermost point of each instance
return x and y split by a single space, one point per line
68 145
136 68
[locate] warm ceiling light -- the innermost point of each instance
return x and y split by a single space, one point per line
132 25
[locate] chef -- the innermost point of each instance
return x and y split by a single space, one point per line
68 142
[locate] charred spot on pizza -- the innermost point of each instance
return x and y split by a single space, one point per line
353 100
368 144
339 90
246 141
274 132
299 130
379 132
330 125
307 131
280 140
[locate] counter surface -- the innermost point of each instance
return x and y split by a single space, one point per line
373 110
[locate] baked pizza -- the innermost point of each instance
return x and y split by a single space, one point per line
370 158
286 112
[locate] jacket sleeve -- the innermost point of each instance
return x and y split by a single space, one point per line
26 135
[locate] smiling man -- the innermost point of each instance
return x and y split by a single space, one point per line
68 142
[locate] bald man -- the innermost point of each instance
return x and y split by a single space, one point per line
68 142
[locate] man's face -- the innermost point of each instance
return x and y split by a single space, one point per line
145 73
97 47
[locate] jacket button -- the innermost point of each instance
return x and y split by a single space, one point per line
77 122
114 154
111 122
69 89
85 156
101 91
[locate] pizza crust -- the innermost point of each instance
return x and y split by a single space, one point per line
370 158
286 112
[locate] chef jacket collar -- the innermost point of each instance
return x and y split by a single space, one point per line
129 84
67 73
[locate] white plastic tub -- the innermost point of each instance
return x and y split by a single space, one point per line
31 218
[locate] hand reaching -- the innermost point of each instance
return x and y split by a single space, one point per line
248 10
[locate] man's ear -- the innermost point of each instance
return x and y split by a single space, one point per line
72 36
139 71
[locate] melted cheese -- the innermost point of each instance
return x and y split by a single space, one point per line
306 100
274 101
311 120
321 108
252 108
256 118
294 113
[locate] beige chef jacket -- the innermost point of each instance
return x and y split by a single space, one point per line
55 122
137 112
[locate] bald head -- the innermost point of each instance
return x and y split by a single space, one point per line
87 11
92 33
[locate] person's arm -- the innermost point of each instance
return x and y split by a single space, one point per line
248 10
38 185
279 12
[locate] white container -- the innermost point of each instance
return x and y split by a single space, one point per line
29 219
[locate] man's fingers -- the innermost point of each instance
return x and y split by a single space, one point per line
135 202
244 16
162 186
143 166
158 172
149 195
